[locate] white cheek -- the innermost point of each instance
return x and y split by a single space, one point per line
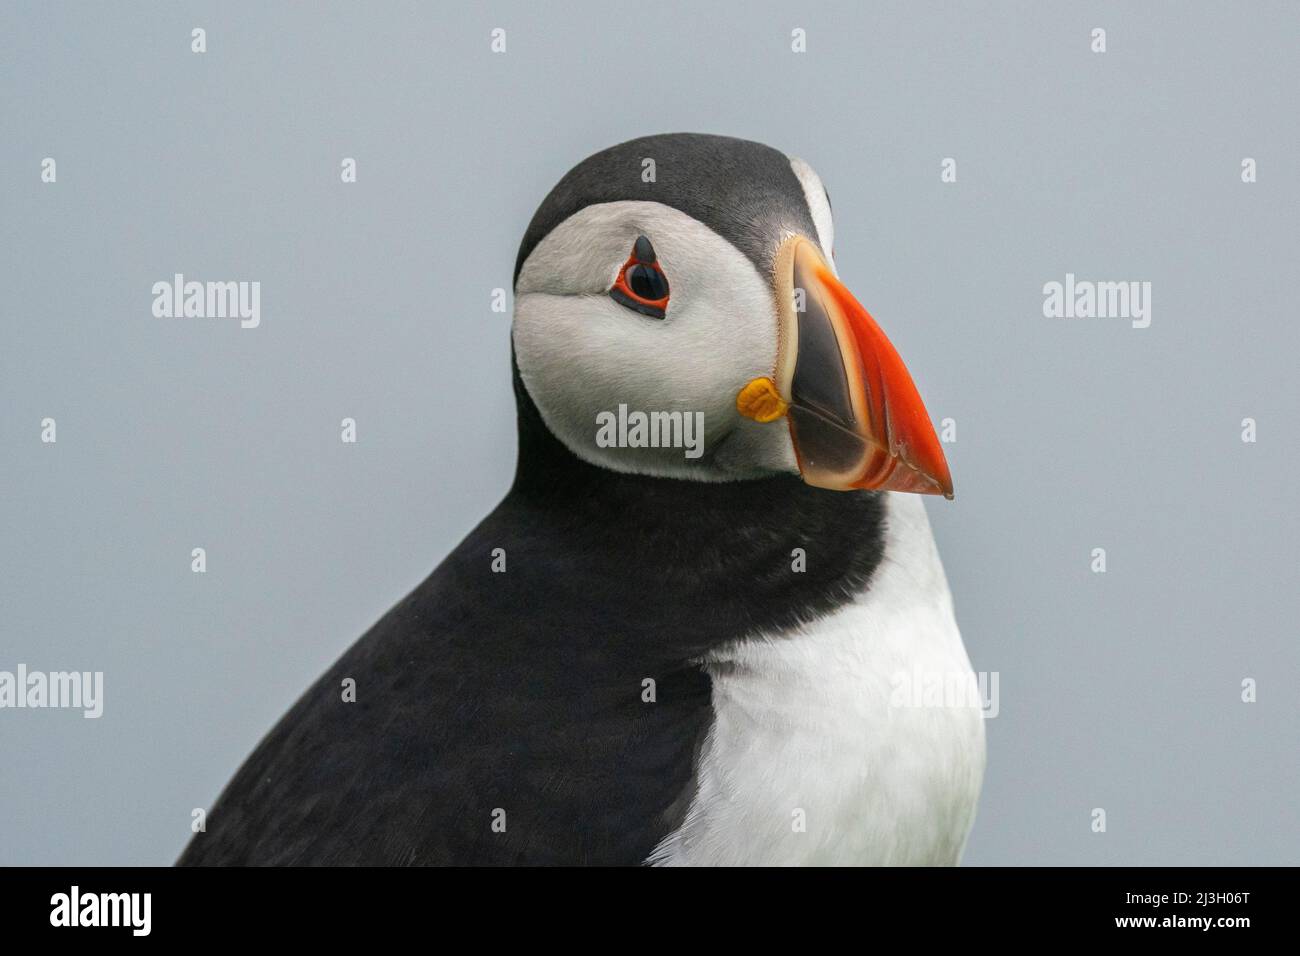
581 355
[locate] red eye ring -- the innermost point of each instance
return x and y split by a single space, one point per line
642 285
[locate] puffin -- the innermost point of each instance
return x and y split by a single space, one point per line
685 634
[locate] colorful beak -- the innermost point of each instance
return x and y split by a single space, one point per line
855 417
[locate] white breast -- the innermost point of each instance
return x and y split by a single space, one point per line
818 755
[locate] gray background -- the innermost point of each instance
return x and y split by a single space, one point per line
1119 690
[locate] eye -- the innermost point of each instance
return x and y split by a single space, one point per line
641 284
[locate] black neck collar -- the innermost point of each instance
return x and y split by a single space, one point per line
713 560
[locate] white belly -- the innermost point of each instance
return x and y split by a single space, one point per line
818 753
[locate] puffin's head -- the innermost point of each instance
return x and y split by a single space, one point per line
678 314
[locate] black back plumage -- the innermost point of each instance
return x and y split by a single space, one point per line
523 691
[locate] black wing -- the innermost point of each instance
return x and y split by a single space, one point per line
499 718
